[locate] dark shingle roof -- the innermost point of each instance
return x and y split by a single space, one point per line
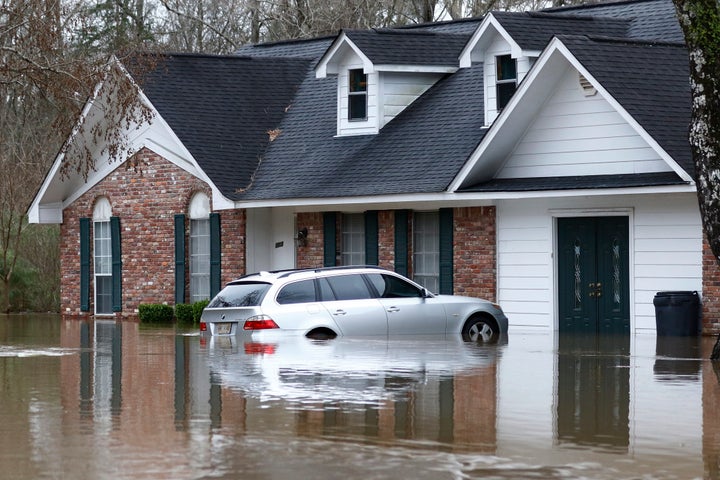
650 19
408 47
577 182
421 150
221 108
534 30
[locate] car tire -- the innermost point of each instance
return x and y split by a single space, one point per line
480 330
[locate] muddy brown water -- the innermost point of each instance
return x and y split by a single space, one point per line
106 400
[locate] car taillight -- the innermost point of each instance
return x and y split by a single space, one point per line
259 322
203 327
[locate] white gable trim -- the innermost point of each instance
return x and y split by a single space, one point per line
484 156
155 135
489 27
329 62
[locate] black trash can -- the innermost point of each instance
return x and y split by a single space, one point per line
677 313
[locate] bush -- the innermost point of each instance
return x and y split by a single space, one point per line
198 308
155 313
184 313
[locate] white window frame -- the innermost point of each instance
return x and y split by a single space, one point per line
102 257
353 239
506 81
426 249
199 255
351 94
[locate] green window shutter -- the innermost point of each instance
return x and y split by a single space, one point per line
214 254
116 264
85 264
329 247
179 258
446 251
401 242
371 238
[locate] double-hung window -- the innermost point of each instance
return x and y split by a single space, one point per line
506 79
199 247
426 250
357 95
353 239
102 257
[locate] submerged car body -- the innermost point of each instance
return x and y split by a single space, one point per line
345 301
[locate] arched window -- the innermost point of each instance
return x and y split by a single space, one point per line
199 213
102 256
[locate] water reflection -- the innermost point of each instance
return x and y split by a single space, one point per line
593 390
117 400
435 389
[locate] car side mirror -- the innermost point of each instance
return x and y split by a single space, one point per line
426 293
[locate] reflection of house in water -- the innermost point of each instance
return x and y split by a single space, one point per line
459 410
371 398
593 390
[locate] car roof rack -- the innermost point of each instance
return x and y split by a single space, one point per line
287 273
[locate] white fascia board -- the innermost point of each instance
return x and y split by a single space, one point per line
326 65
448 199
416 68
555 47
489 26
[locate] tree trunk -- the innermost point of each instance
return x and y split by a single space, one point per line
700 21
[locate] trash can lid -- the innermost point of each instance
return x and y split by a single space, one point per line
674 293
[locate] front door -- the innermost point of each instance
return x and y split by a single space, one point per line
593 277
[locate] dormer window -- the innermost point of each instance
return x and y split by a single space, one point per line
357 95
506 80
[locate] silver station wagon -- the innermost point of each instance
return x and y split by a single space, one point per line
345 301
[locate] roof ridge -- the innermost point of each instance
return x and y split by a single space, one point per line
625 40
590 6
290 41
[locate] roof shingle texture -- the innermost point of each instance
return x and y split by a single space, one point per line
221 108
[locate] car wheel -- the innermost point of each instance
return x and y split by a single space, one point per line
479 329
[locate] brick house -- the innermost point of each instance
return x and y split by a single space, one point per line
539 159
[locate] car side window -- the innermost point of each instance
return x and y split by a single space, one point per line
349 287
297 292
389 286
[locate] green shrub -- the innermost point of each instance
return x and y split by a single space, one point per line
155 313
198 308
184 313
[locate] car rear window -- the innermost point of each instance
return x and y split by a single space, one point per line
246 294
298 292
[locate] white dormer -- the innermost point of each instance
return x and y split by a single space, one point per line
505 64
369 94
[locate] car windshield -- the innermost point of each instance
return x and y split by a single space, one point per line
246 294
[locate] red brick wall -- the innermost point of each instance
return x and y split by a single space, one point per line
386 239
310 253
474 247
710 292
474 252
145 199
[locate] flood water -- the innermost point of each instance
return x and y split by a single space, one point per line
106 400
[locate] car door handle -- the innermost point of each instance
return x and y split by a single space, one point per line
393 309
340 312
